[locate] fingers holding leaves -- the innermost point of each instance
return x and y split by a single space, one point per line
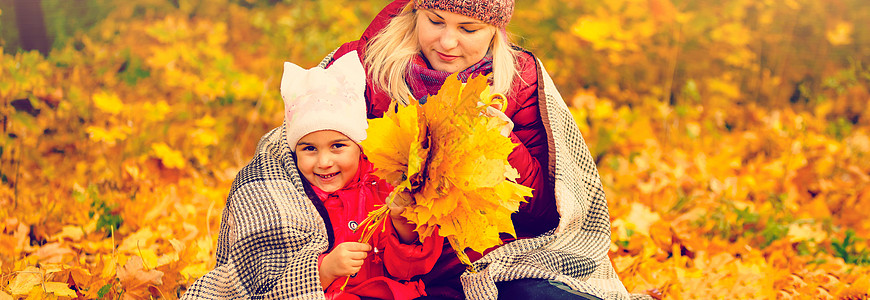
400 199
496 110
346 259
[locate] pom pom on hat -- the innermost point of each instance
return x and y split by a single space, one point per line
325 99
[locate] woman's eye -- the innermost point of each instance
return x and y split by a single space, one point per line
435 22
469 30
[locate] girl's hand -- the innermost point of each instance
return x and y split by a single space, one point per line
401 200
345 260
404 228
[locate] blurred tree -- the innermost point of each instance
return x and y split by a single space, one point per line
31 26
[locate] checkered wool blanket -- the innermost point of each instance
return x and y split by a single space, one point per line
271 233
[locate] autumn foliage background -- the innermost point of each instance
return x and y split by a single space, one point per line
731 137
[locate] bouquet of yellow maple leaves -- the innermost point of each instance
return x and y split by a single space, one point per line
450 156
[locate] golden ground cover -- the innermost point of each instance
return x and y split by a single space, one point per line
735 154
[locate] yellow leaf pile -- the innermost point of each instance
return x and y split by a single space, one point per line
453 160
743 200
732 137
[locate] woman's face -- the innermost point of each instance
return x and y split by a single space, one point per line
328 159
452 42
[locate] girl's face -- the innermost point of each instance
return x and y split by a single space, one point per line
327 159
452 42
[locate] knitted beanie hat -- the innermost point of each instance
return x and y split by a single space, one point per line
494 12
325 99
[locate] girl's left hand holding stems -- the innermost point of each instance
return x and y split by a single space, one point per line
404 228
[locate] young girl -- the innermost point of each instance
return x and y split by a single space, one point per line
325 116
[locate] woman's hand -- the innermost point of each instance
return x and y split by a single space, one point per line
495 111
345 260
404 228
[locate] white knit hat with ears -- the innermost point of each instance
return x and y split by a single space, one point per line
325 99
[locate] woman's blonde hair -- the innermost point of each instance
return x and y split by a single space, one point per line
390 52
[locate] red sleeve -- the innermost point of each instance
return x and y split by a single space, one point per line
404 261
531 156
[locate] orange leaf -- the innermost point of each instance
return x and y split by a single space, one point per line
136 279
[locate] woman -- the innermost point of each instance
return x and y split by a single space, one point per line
409 49
269 244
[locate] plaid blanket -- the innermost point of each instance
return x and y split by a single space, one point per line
271 233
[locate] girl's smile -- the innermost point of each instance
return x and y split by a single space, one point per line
328 159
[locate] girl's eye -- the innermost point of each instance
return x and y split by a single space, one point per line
469 30
338 145
435 22
309 148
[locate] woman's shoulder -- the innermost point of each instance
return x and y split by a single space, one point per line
345 49
527 64
526 85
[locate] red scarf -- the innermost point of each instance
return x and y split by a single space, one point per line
425 81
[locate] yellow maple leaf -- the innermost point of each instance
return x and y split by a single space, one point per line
60 289
806 232
110 136
206 122
397 146
31 281
73 233
137 240
174 256
107 102
25 280
171 158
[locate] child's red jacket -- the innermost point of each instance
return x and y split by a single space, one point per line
391 272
